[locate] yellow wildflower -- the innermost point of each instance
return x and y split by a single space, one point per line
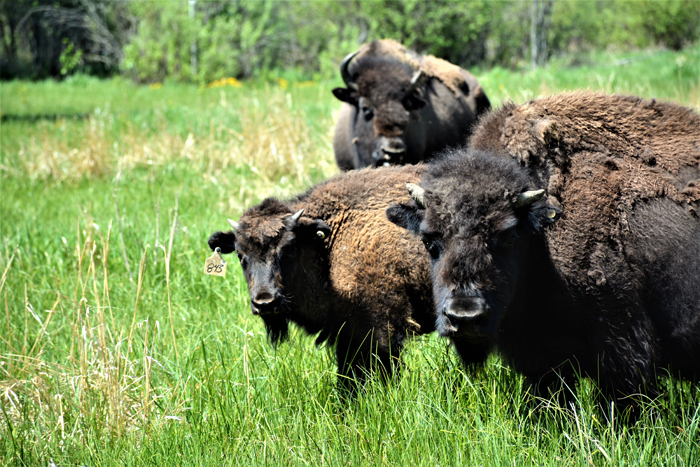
282 82
233 82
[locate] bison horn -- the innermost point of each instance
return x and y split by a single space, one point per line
234 224
415 80
296 216
345 73
417 193
526 198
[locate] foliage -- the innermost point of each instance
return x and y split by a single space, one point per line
202 41
676 23
599 24
454 31
70 58
256 38
161 47
110 357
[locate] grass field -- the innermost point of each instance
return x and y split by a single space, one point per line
116 349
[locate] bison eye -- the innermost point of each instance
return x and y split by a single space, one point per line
367 113
433 248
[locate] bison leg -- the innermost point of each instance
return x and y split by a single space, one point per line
556 385
360 357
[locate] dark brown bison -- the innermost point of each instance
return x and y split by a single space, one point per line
331 262
568 235
400 107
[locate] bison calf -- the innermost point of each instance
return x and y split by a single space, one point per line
569 232
331 262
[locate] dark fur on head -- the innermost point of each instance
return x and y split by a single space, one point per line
470 215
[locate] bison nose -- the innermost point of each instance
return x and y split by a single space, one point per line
392 151
265 303
466 314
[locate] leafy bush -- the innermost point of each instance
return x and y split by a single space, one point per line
675 23
161 47
600 24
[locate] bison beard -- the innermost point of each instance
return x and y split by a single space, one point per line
277 328
596 272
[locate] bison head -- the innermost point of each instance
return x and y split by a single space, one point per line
387 94
482 224
281 254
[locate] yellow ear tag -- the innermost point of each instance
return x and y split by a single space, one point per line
215 264
551 213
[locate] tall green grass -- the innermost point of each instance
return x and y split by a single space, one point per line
116 349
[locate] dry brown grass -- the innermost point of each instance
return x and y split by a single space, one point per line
104 383
62 150
274 143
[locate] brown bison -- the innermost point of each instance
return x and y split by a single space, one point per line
400 107
329 261
568 236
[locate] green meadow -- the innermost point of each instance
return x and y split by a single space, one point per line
116 348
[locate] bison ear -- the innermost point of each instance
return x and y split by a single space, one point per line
406 215
346 95
312 229
546 131
224 240
542 214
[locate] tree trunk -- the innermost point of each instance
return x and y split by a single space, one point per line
193 44
541 18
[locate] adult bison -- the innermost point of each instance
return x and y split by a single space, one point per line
400 107
329 261
568 235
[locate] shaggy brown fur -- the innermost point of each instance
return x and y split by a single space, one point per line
599 156
363 285
651 144
601 274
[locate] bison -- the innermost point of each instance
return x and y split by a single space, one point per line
400 107
568 236
330 262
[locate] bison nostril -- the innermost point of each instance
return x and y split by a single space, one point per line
264 298
265 302
465 309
